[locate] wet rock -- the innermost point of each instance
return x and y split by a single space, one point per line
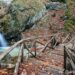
21 15
55 6
13 36
64 18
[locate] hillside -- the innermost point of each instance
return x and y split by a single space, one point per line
40 36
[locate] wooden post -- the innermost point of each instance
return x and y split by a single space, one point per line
29 50
65 60
35 48
18 61
47 44
22 53
68 54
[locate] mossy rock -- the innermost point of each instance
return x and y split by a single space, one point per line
20 11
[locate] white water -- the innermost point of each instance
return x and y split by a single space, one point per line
3 42
7 1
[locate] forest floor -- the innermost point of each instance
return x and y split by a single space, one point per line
50 62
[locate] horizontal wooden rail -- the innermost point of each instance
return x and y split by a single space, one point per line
71 52
47 44
42 44
66 38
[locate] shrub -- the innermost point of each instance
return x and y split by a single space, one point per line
19 12
70 21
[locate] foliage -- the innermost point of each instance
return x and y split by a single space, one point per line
69 13
69 22
20 11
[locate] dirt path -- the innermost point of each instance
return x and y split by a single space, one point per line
50 62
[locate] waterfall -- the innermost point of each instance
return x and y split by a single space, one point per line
3 42
7 1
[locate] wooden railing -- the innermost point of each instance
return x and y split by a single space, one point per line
69 58
24 46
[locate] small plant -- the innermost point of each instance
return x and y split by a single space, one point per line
70 21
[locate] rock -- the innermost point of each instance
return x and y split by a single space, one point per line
3 10
64 18
10 66
13 36
7 1
55 6
20 15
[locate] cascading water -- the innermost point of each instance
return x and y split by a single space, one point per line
3 42
7 1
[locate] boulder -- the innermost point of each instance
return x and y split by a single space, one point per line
55 6
19 16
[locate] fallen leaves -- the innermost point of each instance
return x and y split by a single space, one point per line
3 72
30 64
24 72
45 63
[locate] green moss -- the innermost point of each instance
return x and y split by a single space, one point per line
70 21
19 13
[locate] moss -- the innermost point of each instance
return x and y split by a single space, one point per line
69 24
19 13
69 13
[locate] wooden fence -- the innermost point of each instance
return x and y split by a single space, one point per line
24 46
69 58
